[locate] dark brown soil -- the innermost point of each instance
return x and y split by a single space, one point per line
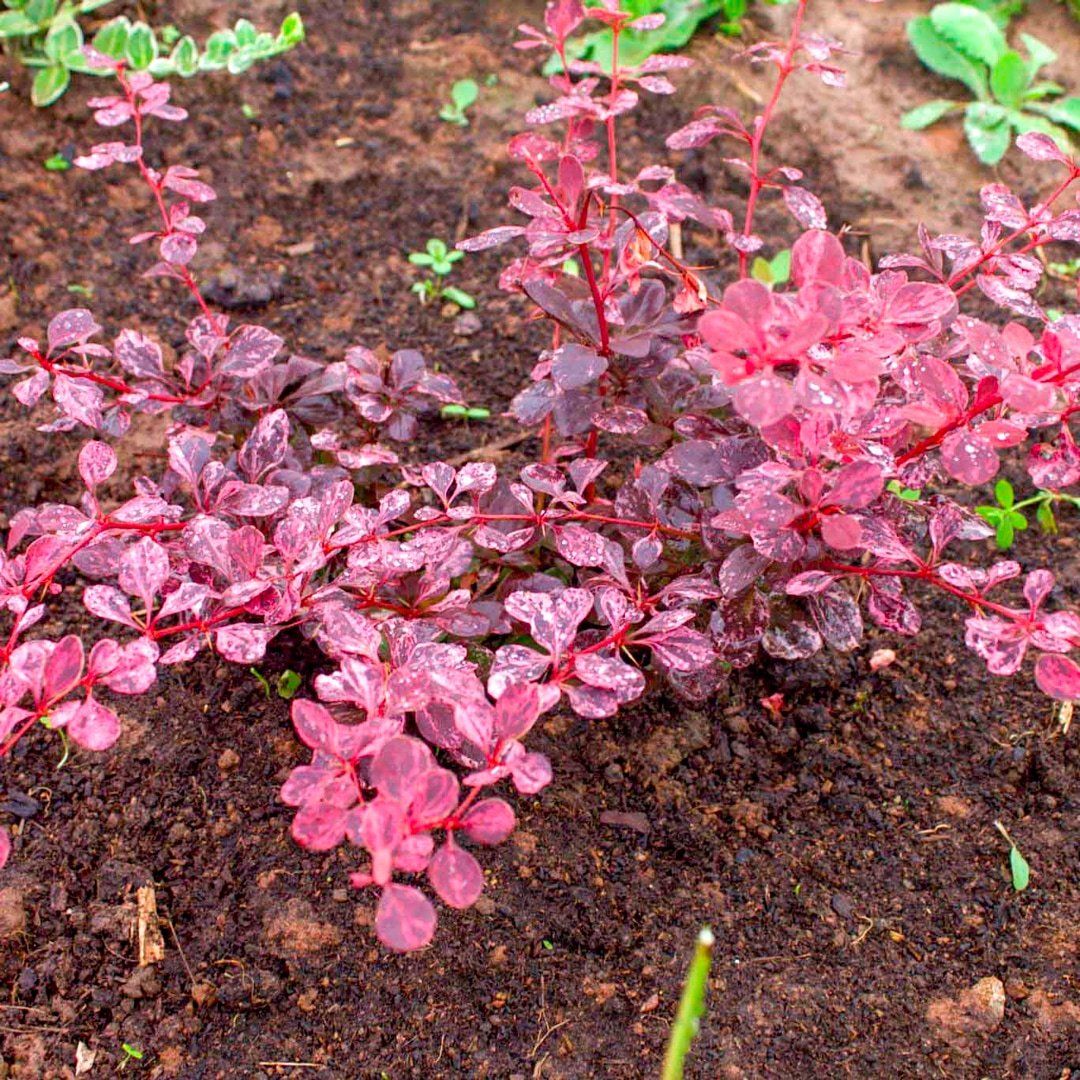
845 855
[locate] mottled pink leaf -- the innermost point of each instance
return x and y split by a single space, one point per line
94 727
97 462
490 821
455 875
405 919
1059 677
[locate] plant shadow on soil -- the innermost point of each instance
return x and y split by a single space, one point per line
845 855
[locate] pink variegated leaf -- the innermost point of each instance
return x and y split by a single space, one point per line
144 569
516 711
5 847
70 328
243 643
405 919
107 602
489 821
398 766
1058 677
455 875
251 349
97 462
805 207
93 726
969 457
63 668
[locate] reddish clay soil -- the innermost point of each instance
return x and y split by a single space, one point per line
845 855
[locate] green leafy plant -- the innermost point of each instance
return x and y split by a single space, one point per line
463 95
438 259
1001 11
774 271
47 36
691 1007
57 163
963 42
1007 517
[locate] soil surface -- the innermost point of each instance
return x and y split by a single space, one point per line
845 854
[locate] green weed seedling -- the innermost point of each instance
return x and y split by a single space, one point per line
46 35
464 412
963 42
463 95
691 1007
1019 870
1007 515
438 259
774 271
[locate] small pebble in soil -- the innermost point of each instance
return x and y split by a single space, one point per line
882 658
619 819
467 324
843 905
236 287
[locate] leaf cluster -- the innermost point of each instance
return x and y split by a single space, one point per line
48 37
963 42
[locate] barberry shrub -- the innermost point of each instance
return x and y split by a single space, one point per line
712 475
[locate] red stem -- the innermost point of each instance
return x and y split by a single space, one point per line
757 181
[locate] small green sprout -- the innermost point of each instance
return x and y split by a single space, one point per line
894 487
463 412
774 271
691 1007
463 95
81 290
288 682
1018 865
131 1053
1065 271
57 163
1008 518
438 259
249 112
1005 518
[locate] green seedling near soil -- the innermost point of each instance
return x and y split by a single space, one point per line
286 684
1008 518
47 36
463 95
463 412
438 259
57 163
691 1007
131 1053
774 271
964 43
905 493
1065 271
1018 865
